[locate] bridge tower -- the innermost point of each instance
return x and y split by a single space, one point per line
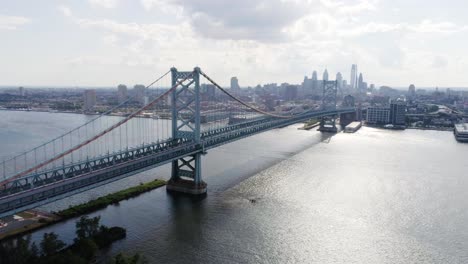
328 123
185 104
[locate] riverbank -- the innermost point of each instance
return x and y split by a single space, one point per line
109 199
432 128
27 225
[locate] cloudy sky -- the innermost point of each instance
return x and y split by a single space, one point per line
106 42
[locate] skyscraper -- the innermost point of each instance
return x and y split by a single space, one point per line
339 80
235 84
353 80
325 75
122 93
412 91
21 91
139 90
89 100
314 82
361 84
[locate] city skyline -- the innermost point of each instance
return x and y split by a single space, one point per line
89 43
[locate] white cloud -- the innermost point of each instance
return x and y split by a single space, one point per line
66 11
439 62
428 26
104 3
262 20
12 22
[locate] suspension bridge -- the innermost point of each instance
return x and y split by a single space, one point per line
122 142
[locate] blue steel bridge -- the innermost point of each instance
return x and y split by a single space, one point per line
121 142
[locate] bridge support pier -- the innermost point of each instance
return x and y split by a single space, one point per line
186 176
328 124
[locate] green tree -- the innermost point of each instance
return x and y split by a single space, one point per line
85 248
87 227
66 257
17 251
50 244
122 259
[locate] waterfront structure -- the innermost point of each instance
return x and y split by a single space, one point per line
235 84
398 112
461 132
378 115
140 93
61 173
122 93
353 79
353 127
89 100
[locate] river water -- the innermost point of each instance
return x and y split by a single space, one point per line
289 196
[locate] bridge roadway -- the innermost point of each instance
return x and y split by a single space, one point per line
48 186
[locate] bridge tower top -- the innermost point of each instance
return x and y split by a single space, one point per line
185 102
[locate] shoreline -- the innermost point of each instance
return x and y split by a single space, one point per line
82 209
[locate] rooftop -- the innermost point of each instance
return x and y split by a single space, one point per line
462 128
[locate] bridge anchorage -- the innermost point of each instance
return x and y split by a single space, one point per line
185 104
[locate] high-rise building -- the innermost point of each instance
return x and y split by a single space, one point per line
21 91
208 91
353 80
235 84
122 93
314 82
89 100
361 84
325 75
306 87
290 92
412 91
339 80
378 115
139 90
398 112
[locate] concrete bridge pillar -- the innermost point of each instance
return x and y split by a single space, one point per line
328 124
186 176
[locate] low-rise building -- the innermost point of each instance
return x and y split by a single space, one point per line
378 115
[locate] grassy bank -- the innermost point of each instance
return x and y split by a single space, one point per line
112 198
84 208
